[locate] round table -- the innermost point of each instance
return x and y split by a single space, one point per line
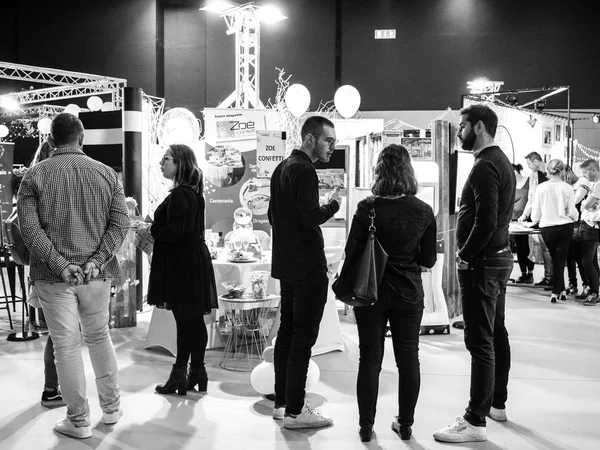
246 323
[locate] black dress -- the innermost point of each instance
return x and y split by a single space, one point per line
181 275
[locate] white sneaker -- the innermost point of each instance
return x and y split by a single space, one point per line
278 413
499 415
461 431
309 417
113 417
68 428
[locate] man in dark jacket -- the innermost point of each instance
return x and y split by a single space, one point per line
300 265
484 264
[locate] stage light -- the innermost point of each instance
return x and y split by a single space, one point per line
269 14
512 100
596 118
532 121
540 105
9 103
217 6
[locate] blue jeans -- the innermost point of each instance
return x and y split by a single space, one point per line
483 294
66 308
405 317
302 304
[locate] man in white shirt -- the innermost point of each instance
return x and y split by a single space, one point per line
538 175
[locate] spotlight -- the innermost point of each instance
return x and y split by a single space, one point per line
596 118
540 105
532 121
512 100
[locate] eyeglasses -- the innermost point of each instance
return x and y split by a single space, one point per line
330 141
165 158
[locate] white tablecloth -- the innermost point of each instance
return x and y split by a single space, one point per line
162 329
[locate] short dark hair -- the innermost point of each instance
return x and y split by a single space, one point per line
394 173
65 129
478 112
589 164
188 173
534 156
314 125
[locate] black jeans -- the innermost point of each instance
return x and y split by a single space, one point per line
589 246
404 317
483 295
192 338
302 304
522 244
558 240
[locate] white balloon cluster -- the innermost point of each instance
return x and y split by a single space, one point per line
3 131
73 109
94 103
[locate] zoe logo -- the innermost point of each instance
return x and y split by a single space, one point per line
237 125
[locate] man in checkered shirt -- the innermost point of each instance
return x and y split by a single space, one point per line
73 220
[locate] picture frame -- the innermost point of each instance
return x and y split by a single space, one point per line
557 132
420 149
546 137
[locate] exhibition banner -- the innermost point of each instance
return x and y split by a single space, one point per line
270 151
231 174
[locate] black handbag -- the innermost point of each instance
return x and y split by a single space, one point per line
359 280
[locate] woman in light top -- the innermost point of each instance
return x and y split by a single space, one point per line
554 210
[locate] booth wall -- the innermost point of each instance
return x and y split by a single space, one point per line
440 45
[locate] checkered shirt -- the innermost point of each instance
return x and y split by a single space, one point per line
71 211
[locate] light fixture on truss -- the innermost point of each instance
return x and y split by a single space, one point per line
244 21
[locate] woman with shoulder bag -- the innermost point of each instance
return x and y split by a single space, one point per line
406 229
182 278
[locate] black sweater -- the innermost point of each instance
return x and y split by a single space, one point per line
295 215
486 205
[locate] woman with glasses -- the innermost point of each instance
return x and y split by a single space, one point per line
182 277
405 227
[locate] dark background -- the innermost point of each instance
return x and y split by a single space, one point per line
170 49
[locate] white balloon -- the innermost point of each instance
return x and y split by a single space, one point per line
347 100
94 103
3 131
297 99
312 378
44 125
268 354
73 109
262 378
108 106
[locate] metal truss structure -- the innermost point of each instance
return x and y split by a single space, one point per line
157 107
243 22
69 84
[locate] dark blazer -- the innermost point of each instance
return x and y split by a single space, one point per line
486 205
295 215
406 229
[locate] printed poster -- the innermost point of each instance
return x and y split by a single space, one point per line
232 173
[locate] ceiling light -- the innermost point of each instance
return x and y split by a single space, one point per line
217 6
532 121
9 103
596 118
269 14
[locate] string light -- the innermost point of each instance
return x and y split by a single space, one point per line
589 153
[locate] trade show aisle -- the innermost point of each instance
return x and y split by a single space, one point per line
553 392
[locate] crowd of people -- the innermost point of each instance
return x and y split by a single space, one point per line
564 207
73 246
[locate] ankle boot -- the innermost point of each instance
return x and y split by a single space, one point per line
198 376
178 381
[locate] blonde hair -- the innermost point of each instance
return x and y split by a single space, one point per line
555 167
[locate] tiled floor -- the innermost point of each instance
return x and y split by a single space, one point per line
554 398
